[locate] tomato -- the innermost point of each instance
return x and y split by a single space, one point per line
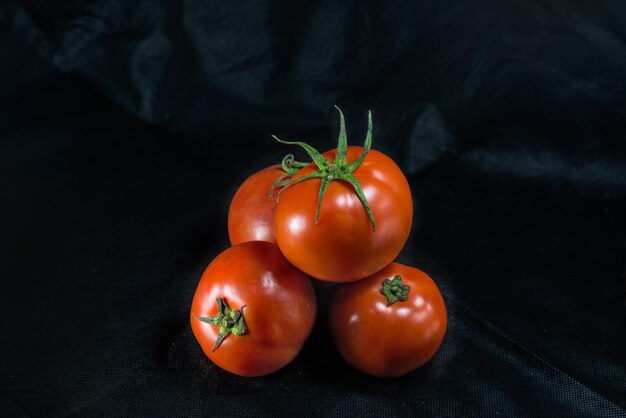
251 212
383 337
346 215
252 311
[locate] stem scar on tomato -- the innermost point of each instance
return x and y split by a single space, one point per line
227 320
395 290
339 169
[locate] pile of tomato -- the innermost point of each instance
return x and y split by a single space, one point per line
342 218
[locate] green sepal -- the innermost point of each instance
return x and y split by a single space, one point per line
359 191
313 153
228 321
342 146
314 174
366 147
395 290
280 183
291 167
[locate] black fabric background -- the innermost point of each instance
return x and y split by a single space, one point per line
126 126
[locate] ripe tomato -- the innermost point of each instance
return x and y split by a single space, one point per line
345 216
251 212
383 338
252 310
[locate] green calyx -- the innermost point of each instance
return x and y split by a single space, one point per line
338 169
290 166
229 321
395 290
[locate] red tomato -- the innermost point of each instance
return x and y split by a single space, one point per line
386 339
343 246
268 309
251 212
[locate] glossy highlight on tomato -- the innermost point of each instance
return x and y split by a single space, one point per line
389 323
274 303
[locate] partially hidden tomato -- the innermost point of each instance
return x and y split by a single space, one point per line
251 211
346 215
252 311
390 323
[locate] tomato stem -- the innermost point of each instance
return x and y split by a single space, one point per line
338 169
228 320
395 290
291 167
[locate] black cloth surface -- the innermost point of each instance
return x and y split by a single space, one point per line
126 127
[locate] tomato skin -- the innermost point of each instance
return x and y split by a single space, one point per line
388 340
280 308
342 246
251 211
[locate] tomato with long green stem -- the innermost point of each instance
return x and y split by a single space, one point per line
252 311
347 214
389 323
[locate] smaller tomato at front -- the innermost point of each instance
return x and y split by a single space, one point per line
389 323
252 311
